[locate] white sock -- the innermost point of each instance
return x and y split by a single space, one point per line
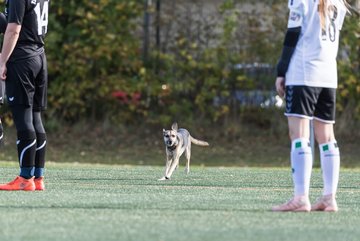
330 165
301 164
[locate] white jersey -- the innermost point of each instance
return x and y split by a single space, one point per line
314 60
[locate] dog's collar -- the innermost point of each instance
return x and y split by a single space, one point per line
171 148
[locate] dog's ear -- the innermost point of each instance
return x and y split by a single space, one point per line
174 126
164 131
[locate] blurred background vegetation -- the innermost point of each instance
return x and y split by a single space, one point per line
121 70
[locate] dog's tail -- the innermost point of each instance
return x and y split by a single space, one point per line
198 142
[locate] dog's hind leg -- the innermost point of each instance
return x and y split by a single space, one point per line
187 155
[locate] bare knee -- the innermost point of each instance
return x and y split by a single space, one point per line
324 132
323 137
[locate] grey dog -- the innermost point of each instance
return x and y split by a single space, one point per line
177 141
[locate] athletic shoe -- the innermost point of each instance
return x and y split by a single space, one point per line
326 203
19 183
297 204
39 184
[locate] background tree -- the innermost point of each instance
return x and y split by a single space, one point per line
200 53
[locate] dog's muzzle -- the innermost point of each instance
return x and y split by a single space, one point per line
170 145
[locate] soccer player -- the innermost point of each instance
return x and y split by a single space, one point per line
3 24
23 67
2 93
2 96
307 76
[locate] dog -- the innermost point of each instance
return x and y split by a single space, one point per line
177 141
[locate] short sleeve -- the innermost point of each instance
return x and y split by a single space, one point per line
298 10
16 11
296 3
341 16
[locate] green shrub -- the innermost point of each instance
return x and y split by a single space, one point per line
97 69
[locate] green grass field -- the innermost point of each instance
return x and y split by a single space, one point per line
108 202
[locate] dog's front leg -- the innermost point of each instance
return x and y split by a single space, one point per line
174 164
167 167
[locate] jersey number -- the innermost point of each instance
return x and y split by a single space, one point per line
331 31
42 17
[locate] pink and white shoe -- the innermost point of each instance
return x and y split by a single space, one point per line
326 203
297 204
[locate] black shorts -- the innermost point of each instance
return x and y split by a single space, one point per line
311 102
2 92
26 82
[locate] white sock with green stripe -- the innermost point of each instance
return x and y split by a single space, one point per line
330 165
301 164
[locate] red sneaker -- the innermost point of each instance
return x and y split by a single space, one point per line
19 183
39 184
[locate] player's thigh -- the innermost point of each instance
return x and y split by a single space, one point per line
41 85
325 116
301 101
20 81
19 87
326 106
300 107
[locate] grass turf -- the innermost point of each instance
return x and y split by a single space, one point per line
103 202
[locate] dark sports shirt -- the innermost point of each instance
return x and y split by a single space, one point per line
32 15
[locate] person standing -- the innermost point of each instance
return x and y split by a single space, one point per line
2 96
307 77
3 24
23 67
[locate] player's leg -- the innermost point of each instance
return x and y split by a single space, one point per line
329 150
330 165
301 165
20 94
40 151
40 101
26 141
26 146
301 155
299 110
